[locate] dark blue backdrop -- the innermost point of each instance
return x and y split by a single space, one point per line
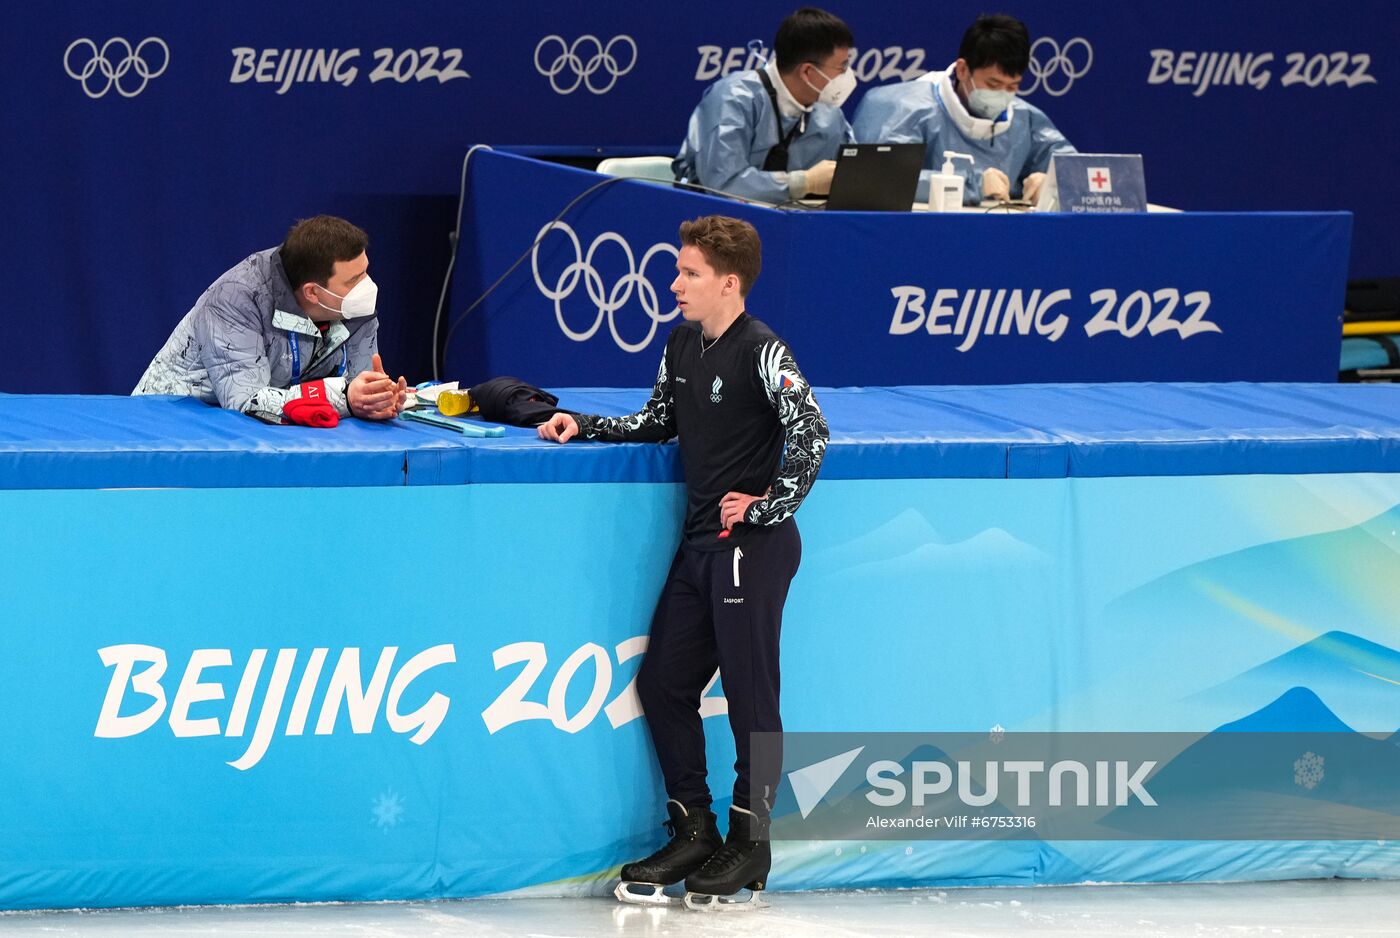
125 202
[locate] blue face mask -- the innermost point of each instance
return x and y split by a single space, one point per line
984 102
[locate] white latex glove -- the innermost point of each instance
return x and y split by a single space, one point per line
819 177
995 185
1031 187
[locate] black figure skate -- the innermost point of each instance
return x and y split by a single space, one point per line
694 839
738 871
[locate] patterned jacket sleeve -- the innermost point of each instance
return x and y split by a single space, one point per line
233 350
360 347
805 430
266 403
654 423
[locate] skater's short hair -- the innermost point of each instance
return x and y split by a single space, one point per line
730 246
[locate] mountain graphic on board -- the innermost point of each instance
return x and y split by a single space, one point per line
1360 676
1291 770
1340 588
1297 710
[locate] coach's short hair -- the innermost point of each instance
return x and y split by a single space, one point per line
314 245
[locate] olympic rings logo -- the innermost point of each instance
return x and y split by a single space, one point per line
606 302
1049 60
571 59
114 67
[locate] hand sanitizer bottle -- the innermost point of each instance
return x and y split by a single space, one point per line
945 188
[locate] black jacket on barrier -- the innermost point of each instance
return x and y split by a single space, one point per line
510 400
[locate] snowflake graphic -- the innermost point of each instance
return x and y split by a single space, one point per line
387 810
997 734
1307 770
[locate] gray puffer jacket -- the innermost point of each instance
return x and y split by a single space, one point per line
240 346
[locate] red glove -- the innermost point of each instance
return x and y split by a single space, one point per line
312 408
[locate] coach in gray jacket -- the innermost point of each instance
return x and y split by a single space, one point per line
282 321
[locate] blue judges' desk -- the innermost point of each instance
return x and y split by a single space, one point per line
897 298
307 667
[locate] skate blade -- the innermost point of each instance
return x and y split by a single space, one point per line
745 900
642 894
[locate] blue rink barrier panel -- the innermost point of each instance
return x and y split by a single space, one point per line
211 696
867 298
396 692
1018 432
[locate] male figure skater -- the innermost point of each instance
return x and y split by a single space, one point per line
751 439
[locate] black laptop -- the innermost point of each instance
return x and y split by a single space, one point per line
876 177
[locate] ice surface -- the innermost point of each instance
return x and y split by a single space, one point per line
1298 908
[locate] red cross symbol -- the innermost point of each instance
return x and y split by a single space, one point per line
1099 178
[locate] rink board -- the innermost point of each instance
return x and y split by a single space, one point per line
398 691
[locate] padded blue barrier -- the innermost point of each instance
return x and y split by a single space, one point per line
81 441
1017 431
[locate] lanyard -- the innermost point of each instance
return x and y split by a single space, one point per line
296 358
777 159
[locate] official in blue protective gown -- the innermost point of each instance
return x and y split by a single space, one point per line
971 108
772 134
289 329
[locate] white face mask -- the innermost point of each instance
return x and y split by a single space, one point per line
837 89
984 102
356 304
